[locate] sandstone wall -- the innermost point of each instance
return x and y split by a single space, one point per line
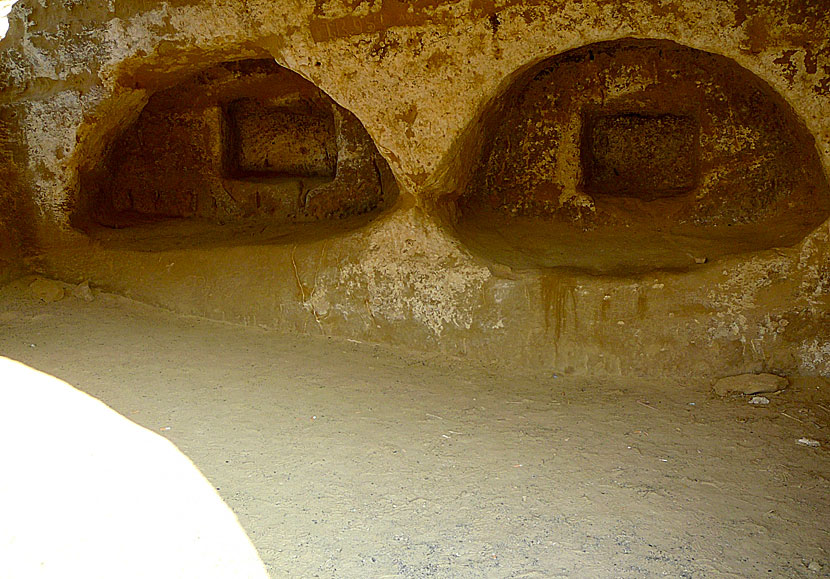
422 78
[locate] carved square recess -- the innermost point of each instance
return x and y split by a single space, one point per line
285 140
639 154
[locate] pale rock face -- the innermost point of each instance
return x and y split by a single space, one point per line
84 492
5 8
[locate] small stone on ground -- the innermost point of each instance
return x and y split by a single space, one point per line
750 384
46 290
83 292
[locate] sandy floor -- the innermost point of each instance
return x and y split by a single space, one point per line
351 460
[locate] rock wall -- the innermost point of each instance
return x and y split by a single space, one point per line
425 79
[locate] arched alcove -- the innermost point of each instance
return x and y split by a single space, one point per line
245 151
633 155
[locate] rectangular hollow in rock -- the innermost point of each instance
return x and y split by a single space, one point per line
641 155
295 139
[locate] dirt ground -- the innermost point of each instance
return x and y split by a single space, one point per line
344 459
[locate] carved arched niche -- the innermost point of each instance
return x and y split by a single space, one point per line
634 155
243 146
